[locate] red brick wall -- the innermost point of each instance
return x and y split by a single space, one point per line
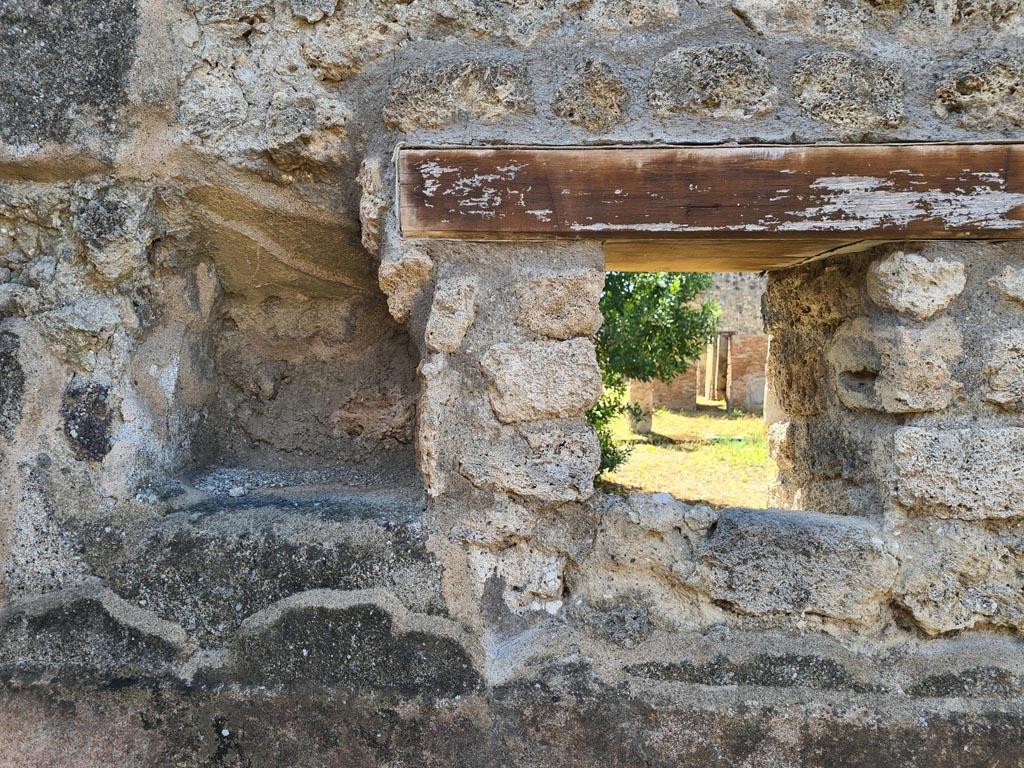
748 356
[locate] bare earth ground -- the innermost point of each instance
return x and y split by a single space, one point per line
709 456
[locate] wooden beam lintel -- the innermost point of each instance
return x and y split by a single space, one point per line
767 206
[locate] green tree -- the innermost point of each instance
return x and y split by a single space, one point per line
654 328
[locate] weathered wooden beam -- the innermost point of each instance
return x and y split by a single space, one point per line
835 193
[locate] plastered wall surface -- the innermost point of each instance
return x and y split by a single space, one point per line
280 488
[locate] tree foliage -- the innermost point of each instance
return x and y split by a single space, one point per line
654 328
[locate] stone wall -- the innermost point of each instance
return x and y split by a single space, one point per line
278 487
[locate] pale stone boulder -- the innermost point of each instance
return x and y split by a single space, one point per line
914 285
849 91
546 461
313 10
451 314
542 380
439 389
985 93
771 561
532 578
403 279
436 95
841 23
958 575
970 474
782 444
593 97
1010 283
895 369
627 15
1005 371
562 306
731 80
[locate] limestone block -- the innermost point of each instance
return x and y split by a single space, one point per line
770 561
212 102
451 314
306 130
784 444
549 461
372 203
592 97
895 369
358 641
403 279
439 390
1004 369
984 94
722 81
840 22
970 474
910 283
313 10
434 96
531 578
662 513
542 380
1010 284
343 44
849 92
957 575
562 306
616 15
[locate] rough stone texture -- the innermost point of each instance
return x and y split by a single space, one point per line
970 474
909 283
958 575
212 564
849 92
403 280
723 81
625 15
87 417
592 97
792 562
546 380
984 94
439 95
451 314
839 22
895 369
546 461
1005 371
562 307
1010 283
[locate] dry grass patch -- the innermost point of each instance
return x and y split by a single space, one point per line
708 457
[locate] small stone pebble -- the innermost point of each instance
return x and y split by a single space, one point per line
237 491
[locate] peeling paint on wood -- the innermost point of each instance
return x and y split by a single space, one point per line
860 192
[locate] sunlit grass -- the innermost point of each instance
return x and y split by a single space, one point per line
708 457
